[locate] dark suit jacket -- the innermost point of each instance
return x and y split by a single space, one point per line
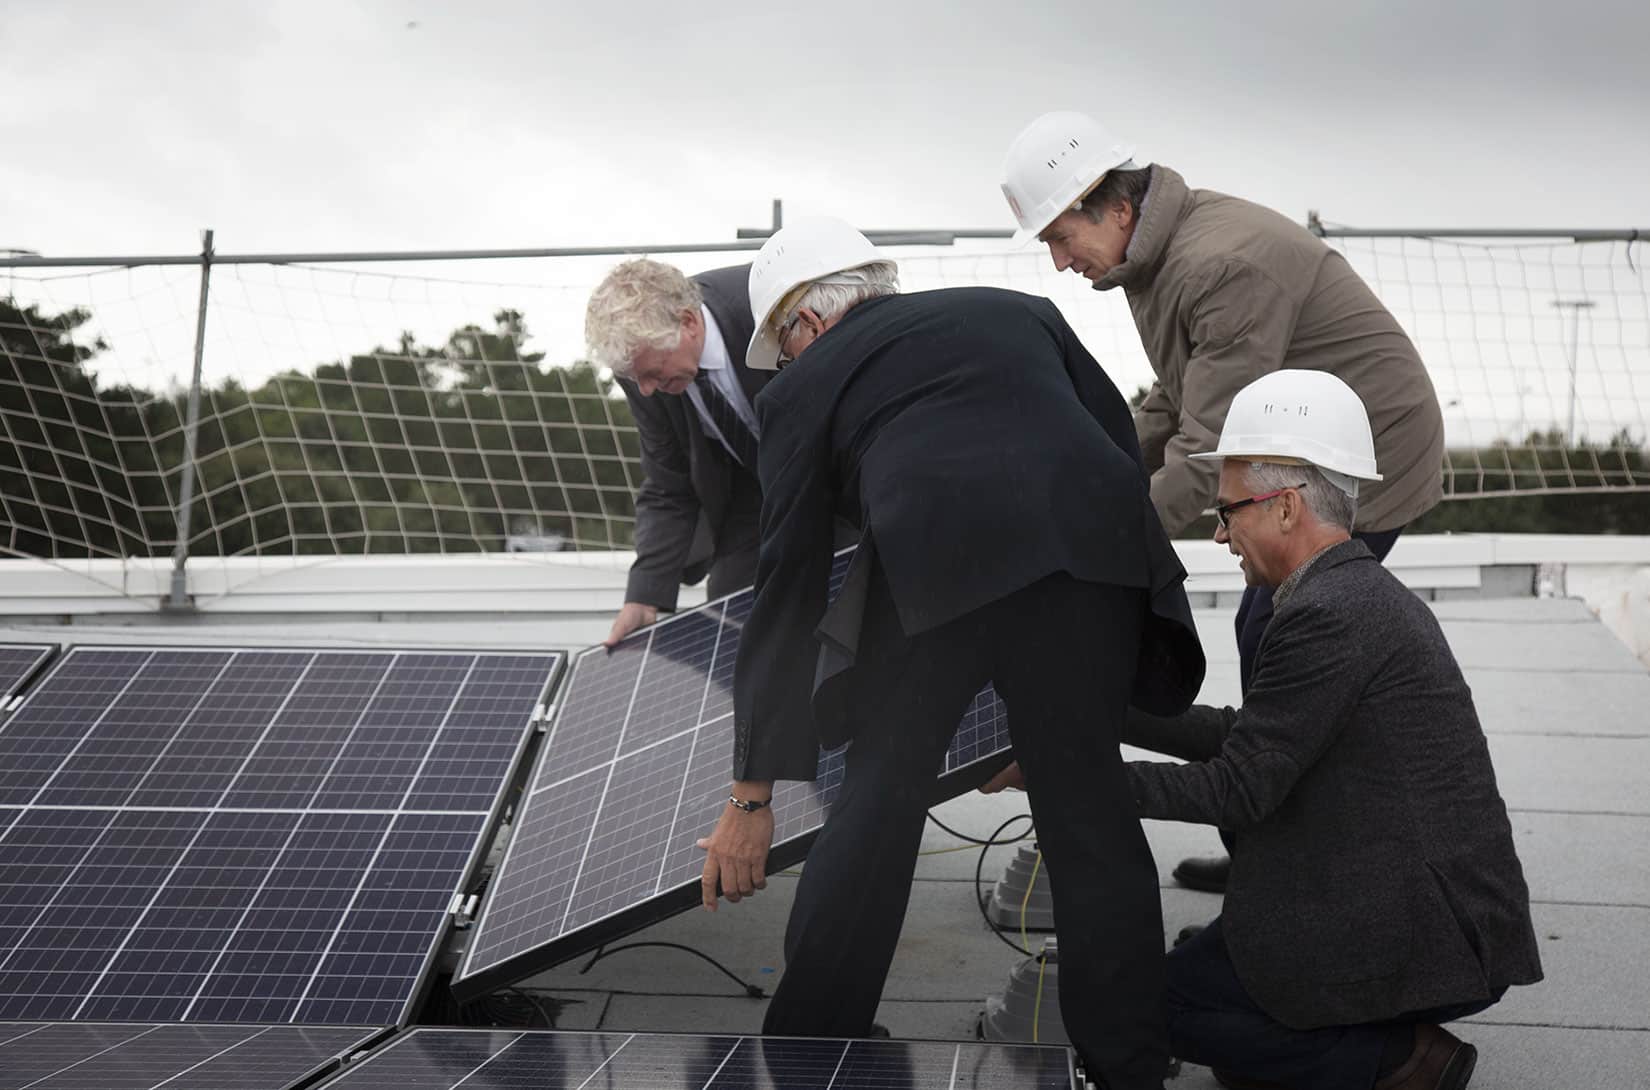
981 448
687 475
1373 872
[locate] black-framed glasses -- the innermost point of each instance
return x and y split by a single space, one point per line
1224 511
786 328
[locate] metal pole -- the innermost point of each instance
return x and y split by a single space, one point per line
751 239
179 597
11 277
1575 307
1314 223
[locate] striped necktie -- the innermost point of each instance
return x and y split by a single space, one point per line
735 434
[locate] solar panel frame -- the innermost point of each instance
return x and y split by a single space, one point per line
374 896
427 1058
172 1055
19 664
799 807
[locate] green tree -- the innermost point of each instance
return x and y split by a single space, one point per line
78 476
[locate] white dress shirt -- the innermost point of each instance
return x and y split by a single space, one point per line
718 366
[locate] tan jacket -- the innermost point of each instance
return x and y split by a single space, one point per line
1224 291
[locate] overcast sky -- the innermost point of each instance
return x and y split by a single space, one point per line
376 125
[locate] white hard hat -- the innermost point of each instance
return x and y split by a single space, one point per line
1300 416
1052 163
799 253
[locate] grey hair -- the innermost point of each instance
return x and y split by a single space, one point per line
1117 186
1328 504
832 295
638 305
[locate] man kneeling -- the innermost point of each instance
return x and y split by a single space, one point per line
1375 891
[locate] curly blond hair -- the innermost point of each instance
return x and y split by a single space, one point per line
638 305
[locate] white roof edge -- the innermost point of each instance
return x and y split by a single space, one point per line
593 582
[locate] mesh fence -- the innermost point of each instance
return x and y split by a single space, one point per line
443 407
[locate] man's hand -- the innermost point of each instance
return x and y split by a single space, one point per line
736 852
634 615
1008 777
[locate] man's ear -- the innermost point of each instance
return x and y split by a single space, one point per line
1293 508
692 321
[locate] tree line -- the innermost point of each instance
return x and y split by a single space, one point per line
456 447
405 449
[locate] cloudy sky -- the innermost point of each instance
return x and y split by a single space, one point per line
376 125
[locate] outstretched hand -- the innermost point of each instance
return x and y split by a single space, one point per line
736 854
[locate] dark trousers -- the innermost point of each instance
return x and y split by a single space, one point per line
1062 655
1213 1021
1255 610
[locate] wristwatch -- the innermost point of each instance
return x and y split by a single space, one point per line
750 807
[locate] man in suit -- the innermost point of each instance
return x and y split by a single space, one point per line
1223 291
1375 892
677 347
1007 536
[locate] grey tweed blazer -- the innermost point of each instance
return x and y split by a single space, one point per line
1373 873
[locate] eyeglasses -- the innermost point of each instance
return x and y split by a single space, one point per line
1224 511
784 334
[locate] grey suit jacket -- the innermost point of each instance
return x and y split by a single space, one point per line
688 477
1373 872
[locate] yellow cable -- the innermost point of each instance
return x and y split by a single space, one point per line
946 851
1026 900
1025 944
1037 1009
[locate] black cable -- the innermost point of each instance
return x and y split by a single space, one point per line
979 868
549 1021
976 840
751 990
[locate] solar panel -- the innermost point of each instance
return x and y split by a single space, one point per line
18 662
635 769
264 836
444 1059
127 1056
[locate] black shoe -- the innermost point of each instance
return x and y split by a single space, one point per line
1207 874
879 1030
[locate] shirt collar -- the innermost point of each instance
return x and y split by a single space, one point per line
1287 587
714 356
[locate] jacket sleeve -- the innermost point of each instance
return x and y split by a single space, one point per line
1195 735
1307 681
667 508
1240 325
1155 423
774 735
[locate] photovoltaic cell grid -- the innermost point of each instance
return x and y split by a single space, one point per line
635 769
124 1056
17 662
438 1059
267 836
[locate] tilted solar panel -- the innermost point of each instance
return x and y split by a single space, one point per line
448 1059
635 769
264 836
18 661
128 1056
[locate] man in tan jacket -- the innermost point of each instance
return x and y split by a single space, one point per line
1224 291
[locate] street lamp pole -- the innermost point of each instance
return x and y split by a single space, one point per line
1575 307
